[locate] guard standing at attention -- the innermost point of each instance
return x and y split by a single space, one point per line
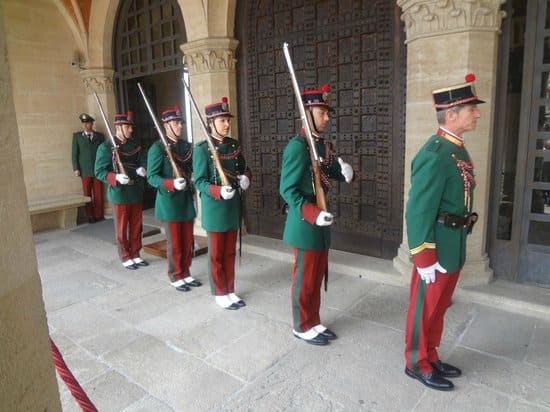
307 227
125 189
439 217
221 204
174 201
84 150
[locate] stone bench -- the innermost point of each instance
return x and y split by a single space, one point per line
56 212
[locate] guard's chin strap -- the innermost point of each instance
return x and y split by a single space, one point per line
174 133
313 121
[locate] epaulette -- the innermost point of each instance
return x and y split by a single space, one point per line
201 143
434 146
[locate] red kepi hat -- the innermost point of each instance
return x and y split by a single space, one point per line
217 109
171 114
317 97
124 118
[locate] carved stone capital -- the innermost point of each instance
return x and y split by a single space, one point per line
97 80
430 18
210 55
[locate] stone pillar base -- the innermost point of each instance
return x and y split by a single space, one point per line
402 262
476 272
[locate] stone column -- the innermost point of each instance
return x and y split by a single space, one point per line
100 81
212 75
445 41
27 377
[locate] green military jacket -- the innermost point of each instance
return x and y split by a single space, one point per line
219 215
296 189
171 205
84 152
132 158
442 182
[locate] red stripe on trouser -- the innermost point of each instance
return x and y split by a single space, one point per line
425 319
128 228
180 240
92 187
222 252
308 283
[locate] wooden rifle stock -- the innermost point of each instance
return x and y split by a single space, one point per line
213 150
320 198
175 169
116 154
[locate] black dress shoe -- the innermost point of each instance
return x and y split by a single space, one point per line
318 340
92 220
327 333
233 306
446 370
131 267
240 303
431 380
182 288
142 263
195 283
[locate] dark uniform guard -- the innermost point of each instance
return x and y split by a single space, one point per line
439 217
84 149
221 205
307 227
124 191
174 201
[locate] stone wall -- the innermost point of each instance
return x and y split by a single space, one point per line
27 378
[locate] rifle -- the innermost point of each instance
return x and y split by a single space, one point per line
116 154
315 164
215 157
176 170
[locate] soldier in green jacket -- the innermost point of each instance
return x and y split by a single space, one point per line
125 190
221 204
174 201
307 227
85 145
439 217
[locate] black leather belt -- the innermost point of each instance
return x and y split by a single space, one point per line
457 221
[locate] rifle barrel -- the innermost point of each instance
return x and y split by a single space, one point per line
320 198
213 150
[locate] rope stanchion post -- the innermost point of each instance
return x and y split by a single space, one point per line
76 390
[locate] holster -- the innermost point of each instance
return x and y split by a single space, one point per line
458 222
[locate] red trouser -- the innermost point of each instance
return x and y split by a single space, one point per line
92 187
222 249
128 229
305 293
427 306
179 238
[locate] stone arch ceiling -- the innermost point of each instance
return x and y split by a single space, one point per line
77 16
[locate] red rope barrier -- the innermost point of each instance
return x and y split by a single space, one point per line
69 379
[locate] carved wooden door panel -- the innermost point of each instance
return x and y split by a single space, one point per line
357 48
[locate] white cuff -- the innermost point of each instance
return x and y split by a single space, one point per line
310 334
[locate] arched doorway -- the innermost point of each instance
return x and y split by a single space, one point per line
146 49
358 48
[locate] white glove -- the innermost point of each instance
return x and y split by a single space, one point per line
244 181
141 171
324 219
227 192
347 171
427 274
180 183
122 179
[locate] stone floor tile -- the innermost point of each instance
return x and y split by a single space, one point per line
499 333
